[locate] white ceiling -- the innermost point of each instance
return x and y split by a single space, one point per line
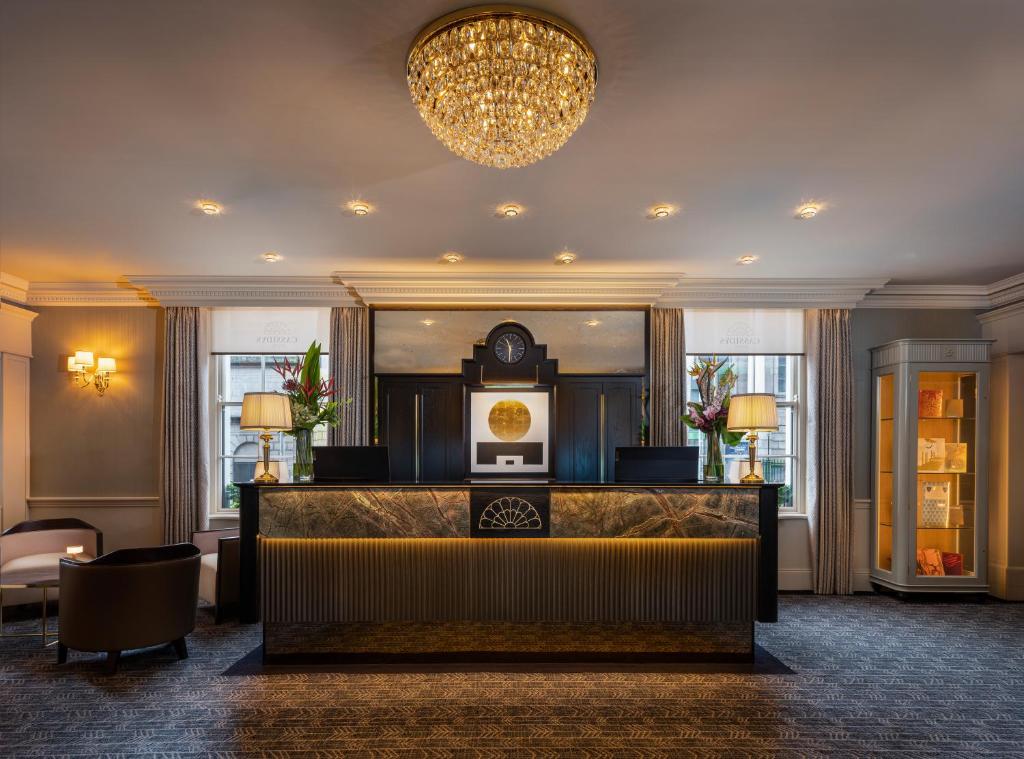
907 117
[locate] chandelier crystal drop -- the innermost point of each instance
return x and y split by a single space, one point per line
502 86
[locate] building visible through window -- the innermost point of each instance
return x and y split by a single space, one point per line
239 451
779 451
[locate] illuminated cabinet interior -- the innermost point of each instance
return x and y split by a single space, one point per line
929 465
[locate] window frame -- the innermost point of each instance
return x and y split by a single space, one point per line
798 431
217 404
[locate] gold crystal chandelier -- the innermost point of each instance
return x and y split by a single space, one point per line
501 85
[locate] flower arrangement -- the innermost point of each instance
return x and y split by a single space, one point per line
312 397
711 413
313 402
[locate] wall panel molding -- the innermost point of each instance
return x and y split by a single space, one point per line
92 501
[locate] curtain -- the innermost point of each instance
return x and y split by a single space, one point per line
185 446
830 449
350 357
668 375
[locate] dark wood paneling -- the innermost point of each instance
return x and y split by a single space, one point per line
579 430
397 426
621 420
581 437
436 403
441 458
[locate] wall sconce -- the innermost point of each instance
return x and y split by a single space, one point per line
82 362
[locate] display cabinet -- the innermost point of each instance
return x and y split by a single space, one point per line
929 463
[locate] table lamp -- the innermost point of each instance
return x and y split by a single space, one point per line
268 413
753 413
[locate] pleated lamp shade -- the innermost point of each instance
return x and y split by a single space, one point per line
753 412
266 411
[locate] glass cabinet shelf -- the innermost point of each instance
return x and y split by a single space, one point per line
929 524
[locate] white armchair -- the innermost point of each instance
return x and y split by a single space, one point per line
218 569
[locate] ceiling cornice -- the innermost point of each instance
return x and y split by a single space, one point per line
1003 312
245 291
730 292
929 296
660 289
87 294
12 289
507 288
976 297
1007 291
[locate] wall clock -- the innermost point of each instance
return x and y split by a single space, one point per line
509 348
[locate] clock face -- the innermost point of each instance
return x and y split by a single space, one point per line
509 347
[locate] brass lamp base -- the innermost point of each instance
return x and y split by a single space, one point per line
752 477
266 477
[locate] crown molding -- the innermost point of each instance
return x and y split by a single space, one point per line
12 289
977 297
17 312
732 292
87 294
245 291
1007 291
929 296
1003 312
507 288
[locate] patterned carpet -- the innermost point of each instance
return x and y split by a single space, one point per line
872 677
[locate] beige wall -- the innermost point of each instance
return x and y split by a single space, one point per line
1006 460
96 457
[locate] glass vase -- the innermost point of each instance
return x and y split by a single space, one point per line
714 464
302 469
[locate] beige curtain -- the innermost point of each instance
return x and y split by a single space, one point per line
830 449
185 448
350 357
668 376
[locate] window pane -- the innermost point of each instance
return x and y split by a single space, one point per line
776 450
240 375
240 452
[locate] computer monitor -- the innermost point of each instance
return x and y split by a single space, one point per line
363 464
656 464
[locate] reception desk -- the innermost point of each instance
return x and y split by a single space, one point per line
689 567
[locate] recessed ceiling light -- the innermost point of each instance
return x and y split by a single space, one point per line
565 258
360 207
510 210
451 257
746 260
426 322
592 322
662 211
808 209
272 257
210 207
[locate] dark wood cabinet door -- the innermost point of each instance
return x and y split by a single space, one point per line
398 402
441 455
421 423
621 420
579 431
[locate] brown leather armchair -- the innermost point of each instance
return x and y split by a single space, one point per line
219 569
132 598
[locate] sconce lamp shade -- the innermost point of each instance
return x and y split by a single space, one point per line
84 358
108 365
266 411
753 412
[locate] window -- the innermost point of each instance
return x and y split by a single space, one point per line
237 452
780 452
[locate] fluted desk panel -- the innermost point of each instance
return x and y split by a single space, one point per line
475 568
